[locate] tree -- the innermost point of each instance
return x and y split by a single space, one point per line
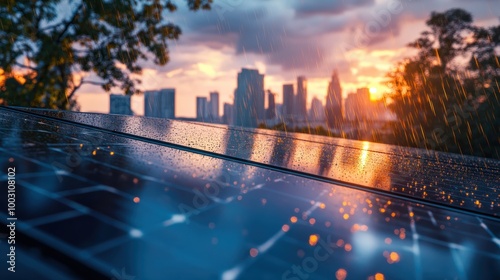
45 46
442 102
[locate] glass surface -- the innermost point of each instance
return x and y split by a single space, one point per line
459 181
114 205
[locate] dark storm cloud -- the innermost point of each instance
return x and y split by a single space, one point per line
327 7
299 34
260 31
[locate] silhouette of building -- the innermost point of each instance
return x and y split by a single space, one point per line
301 98
119 104
317 111
249 98
202 109
160 103
359 107
333 108
271 105
227 118
288 101
213 107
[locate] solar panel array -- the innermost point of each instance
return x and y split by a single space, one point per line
135 198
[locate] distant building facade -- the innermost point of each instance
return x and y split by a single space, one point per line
202 109
359 107
317 111
227 118
301 98
271 105
288 101
213 107
249 98
119 104
333 108
160 103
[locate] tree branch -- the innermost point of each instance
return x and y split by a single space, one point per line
25 66
68 23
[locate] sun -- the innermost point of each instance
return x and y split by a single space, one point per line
373 94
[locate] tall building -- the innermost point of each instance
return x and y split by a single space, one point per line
202 109
249 98
227 118
359 107
365 108
351 107
271 105
301 99
160 103
213 107
317 111
119 104
288 101
333 108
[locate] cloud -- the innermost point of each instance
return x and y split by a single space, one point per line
327 7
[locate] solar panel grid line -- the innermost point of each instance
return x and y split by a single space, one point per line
415 248
53 218
68 250
81 208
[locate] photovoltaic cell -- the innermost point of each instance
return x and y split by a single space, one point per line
118 197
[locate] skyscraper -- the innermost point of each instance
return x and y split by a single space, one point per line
202 109
249 98
333 109
213 107
359 107
364 104
317 111
288 101
160 103
119 104
227 118
271 105
301 99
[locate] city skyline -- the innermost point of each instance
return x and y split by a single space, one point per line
250 108
284 46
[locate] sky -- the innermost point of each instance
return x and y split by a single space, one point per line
283 39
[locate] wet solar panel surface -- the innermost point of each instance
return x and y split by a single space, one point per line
120 197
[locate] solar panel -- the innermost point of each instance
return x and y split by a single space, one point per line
135 198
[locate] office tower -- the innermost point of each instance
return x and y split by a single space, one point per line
202 109
279 111
213 105
119 104
249 98
359 107
301 99
271 106
333 109
160 103
227 118
351 107
288 101
317 111
365 108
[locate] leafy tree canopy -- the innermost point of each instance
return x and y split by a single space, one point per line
46 44
447 96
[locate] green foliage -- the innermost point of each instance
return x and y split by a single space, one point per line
45 46
443 103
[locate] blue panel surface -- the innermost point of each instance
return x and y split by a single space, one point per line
135 198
